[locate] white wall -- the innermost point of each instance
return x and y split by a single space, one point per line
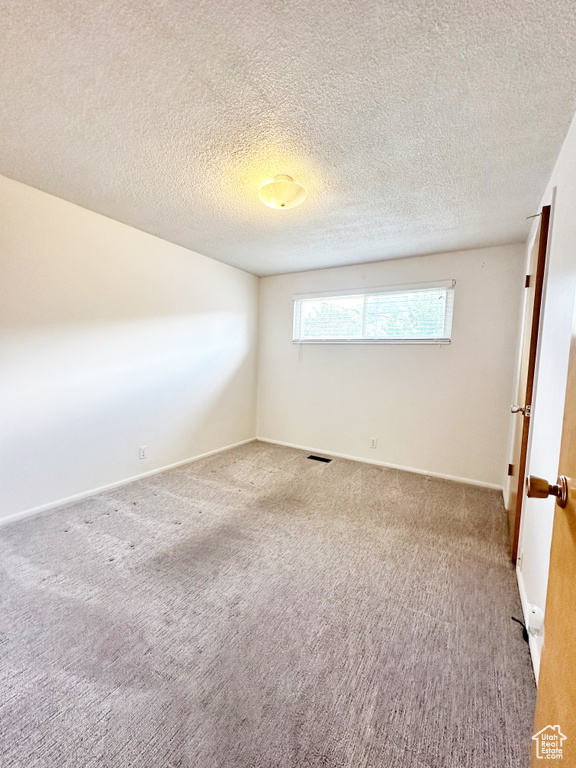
111 339
438 409
552 367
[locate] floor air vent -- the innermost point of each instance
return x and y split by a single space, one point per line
320 458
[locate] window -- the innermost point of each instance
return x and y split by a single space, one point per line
398 314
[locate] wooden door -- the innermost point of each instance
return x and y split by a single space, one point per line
534 285
556 703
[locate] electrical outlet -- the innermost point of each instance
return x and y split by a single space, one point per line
373 442
143 451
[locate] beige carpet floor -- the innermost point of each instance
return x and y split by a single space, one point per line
257 609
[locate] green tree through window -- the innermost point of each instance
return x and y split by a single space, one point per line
420 314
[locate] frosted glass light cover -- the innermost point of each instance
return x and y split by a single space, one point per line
281 193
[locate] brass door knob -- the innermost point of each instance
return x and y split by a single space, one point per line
538 488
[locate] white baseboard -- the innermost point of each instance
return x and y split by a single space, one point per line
533 642
468 481
95 491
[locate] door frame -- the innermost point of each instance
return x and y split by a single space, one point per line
532 359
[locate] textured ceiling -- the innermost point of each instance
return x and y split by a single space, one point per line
416 126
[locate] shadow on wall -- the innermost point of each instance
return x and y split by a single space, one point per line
79 400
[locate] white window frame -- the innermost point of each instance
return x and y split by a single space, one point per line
367 292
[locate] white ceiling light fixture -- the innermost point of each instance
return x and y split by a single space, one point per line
282 192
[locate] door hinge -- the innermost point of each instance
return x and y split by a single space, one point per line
527 282
510 470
